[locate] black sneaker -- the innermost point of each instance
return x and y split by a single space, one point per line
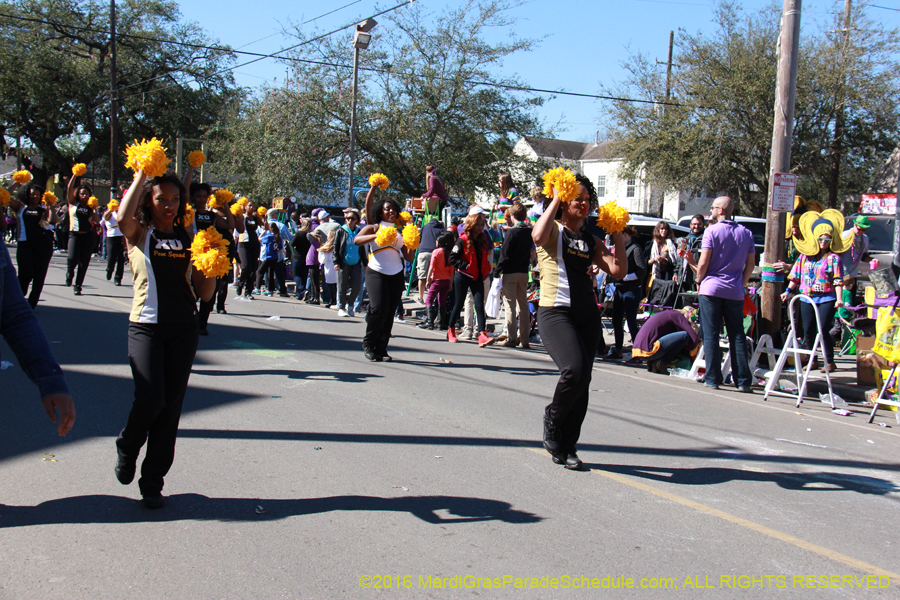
77 290
551 438
370 354
68 282
613 354
118 282
221 311
386 358
570 461
125 468
154 502
204 331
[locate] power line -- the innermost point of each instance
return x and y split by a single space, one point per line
885 7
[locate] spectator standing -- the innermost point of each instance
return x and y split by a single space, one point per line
693 241
430 232
513 266
663 252
347 262
858 243
725 265
436 190
627 296
300 248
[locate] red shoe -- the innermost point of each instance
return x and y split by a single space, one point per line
451 335
484 339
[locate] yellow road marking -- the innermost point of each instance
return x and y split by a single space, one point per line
774 533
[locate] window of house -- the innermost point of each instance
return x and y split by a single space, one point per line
601 186
630 184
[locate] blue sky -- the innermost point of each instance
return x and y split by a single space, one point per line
582 42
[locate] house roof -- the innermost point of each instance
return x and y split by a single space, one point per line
551 148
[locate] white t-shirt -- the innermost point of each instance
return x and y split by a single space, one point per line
386 260
112 227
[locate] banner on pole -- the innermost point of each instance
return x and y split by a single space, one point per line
784 188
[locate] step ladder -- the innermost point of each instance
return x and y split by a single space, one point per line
793 348
886 401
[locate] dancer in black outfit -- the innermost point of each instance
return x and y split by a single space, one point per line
81 232
248 250
222 221
35 239
568 317
162 333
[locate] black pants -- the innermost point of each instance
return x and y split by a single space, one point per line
625 308
267 270
315 281
385 294
461 285
570 337
115 257
218 299
81 246
33 259
826 317
249 254
161 358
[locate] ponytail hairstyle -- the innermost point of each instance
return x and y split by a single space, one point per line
446 241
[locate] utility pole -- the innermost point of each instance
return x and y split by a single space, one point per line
839 115
782 132
669 68
114 105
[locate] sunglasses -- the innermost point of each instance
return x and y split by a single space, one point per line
825 238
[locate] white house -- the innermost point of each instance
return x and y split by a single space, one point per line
599 162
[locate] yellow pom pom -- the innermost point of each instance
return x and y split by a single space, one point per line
209 252
386 236
113 205
189 213
4 197
196 158
149 157
261 211
406 217
612 217
564 181
22 177
236 209
411 237
79 169
93 202
49 199
379 180
220 198
243 201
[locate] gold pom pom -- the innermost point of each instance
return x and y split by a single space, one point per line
236 209
113 205
379 180
22 177
220 198
189 213
386 236
564 181
48 199
411 237
209 252
4 197
405 217
243 201
149 157
93 202
261 211
196 158
79 169
612 218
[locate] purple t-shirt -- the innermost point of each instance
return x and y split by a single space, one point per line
728 244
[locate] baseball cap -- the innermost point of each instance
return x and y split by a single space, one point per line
476 210
862 221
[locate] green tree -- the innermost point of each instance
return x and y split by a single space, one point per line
719 134
55 73
428 95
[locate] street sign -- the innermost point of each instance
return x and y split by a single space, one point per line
783 192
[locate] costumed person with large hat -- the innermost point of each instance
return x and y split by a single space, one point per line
819 274
791 254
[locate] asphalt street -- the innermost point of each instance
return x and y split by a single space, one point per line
304 471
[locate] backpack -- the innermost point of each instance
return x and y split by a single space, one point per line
351 250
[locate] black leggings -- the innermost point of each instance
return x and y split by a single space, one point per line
33 258
461 285
826 317
249 254
81 246
267 267
218 298
115 257
161 358
625 308
570 337
385 295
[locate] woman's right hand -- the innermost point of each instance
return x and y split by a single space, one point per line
781 266
785 296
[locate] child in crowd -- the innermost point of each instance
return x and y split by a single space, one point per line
438 281
271 246
326 259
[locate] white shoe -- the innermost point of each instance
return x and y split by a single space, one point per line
399 320
342 313
350 312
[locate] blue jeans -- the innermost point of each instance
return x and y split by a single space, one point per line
22 331
357 306
713 312
670 346
625 308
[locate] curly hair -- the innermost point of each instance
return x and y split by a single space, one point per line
144 212
23 195
378 210
481 238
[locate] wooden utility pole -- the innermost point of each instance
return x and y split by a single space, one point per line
669 67
782 132
840 97
114 105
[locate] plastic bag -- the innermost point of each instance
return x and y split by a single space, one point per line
492 303
680 373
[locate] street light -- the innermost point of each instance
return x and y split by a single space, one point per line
360 42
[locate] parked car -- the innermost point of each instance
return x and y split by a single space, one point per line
756 226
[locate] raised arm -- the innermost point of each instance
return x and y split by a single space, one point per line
128 224
370 198
543 229
70 191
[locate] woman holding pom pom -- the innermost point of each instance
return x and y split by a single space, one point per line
568 317
81 232
163 328
115 244
35 239
384 273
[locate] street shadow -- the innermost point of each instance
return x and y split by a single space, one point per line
527 371
313 375
817 482
105 509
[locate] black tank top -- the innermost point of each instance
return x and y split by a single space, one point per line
81 223
161 267
31 223
205 220
250 225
